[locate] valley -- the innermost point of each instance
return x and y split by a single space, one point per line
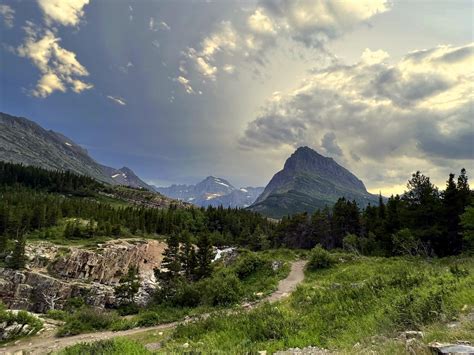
263 177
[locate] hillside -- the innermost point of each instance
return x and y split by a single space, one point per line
25 142
309 181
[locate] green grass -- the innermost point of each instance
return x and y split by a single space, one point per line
117 346
339 307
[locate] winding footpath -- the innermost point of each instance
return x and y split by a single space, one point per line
47 343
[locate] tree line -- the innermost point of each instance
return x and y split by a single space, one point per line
423 220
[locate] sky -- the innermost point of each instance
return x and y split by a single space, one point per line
179 90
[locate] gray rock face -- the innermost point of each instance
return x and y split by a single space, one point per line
56 274
23 141
309 181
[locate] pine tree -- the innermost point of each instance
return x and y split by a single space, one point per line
171 264
204 255
128 287
381 210
18 257
188 257
464 192
452 208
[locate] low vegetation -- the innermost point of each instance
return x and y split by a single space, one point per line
16 324
107 347
250 277
341 305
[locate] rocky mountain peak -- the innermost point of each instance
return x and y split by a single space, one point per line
309 181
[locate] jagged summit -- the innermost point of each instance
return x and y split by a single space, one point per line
309 181
213 191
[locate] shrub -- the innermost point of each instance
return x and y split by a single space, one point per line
222 289
148 319
20 318
87 320
73 304
123 324
248 265
187 295
320 259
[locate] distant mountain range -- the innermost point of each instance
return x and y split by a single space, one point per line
24 141
307 182
310 181
213 191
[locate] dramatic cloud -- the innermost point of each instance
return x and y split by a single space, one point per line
413 114
59 67
117 100
8 15
310 22
315 21
64 12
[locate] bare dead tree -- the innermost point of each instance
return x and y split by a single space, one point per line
51 299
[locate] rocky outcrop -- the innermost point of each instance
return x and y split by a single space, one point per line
56 274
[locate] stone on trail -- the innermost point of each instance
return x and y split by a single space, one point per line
454 349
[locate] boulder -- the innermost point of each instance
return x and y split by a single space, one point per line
443 348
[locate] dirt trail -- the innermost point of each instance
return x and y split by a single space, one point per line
46 343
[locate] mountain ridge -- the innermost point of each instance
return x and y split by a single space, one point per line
212 191
309 181
25 141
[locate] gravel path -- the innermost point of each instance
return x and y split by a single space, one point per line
46 343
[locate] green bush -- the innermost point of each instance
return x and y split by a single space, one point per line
87 320
249 264
187 295
148 319
222 289
320 258
107 347
22 318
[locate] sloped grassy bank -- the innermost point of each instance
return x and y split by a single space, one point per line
342 305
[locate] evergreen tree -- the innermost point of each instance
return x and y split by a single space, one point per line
171 264
128 287
452 208
204 255
18 258
464 192
421 211
188 257
381 210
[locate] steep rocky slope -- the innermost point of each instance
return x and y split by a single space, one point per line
24 141
309 181
57 273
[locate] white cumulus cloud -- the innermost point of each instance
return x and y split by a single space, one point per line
64 12
59 67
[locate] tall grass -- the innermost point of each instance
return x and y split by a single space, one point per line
337 307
